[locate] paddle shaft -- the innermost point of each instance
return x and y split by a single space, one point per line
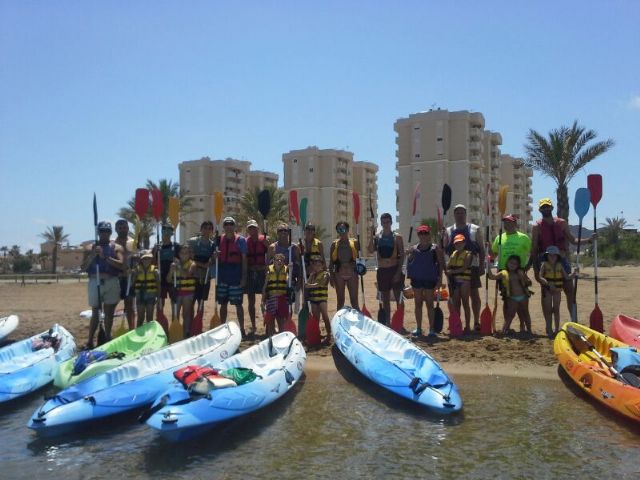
574 310
595 256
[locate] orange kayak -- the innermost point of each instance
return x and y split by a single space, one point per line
591 374
626 329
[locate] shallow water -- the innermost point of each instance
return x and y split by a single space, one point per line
338 425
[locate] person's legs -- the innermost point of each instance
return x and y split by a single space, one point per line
340 286
251 308
428 297
109 310
140 307
352 285
510 309
325 318
546 301
557 299
568 291
523 314
187 315
150 307
417 300
129 311
464 297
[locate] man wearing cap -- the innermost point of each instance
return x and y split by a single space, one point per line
548 231
312 246
202 247
257 246
127 293
167 251
103 262
389 249
232 271
474 243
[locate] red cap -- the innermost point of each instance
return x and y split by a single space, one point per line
509 218
459 238
423 228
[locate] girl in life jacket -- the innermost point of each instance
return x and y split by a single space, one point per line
552 278
317 291
147 287
275 305
514 288
183 274
459 274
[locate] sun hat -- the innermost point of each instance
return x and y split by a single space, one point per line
545 202
459 238
553 250
252 223
229 221
423 228
459 206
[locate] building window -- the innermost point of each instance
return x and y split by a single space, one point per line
417 155
295 160
439 139
311 170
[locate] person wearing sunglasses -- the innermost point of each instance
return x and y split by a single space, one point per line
343 255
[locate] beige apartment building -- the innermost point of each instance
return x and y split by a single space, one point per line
201 178
438 147
328 178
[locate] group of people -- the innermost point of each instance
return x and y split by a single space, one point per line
286 273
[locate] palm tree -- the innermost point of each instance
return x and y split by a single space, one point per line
562 155
613 229
279 211
4 249
56 236
148 222
14 251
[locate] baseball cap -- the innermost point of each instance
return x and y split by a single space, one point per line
459 206
459 238
252 223
423 228
229 221
509 218
146 254
553 250
104 227
545 202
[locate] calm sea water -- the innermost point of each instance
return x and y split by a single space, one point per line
338 425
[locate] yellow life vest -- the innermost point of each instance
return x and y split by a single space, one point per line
185 283
276 281
313 250
145 281
457 260
334 250
553 274
318 293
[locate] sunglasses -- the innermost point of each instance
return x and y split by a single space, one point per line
424 233
283 231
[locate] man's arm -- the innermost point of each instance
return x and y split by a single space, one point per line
400 249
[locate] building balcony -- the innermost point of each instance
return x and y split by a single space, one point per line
475 133
475 161
475 146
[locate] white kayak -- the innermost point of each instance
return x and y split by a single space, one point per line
87 314
32 363
277 364
393 362
8 325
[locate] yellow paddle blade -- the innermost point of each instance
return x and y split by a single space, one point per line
218 206
122 329
175 331
215 319
502 199
174 211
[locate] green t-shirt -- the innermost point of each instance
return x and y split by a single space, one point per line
517 243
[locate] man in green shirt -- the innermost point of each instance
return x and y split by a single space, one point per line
513 242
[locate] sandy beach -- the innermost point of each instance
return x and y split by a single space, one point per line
40 305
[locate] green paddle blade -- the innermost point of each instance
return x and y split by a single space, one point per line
303 317
303 211
581 202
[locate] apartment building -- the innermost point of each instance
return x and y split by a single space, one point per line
328 178
514 173
201 178
438 147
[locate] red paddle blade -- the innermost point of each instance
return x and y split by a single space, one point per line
595 320
416 196
312 330
594 184
485 321
290 326
455 323
162 320
397 320
142 202
158 204
196 324
439 212
269 319
356 207
294 209
365 311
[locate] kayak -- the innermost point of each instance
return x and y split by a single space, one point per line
133 385
8 325
592 374
32 363
626 329
393 362
276 365
87 314
135 343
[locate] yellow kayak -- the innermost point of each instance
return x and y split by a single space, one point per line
586 356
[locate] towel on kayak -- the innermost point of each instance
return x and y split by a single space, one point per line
625 359
87 357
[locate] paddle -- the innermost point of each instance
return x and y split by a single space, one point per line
218 207
438 315
360 267
416 196
581 343
303 314
382 313
141 205
157 208
176 332
294 214
581 206
594 182
502 207
485 316
264 207
455 323
446 199
102 335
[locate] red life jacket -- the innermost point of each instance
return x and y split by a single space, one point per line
551 235
229 250
192 373
256 251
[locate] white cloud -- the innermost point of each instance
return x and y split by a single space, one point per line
634 103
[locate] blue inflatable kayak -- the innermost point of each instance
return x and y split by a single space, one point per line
278 363
32 363
393 362
132 385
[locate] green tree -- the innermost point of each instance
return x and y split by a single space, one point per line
14 251
56 236
21 264
4 249
42 259
279 211
563 154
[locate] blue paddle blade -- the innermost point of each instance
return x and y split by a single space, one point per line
582 202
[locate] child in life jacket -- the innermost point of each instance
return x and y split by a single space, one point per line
514 288
552 278
317 289
274 295
459 274
147 287
183 274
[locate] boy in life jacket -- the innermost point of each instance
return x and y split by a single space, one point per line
317 292
274 294
552 278
514 287
147 287
183 272
459 274
257 246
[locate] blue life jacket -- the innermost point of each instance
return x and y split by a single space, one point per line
105 267
85 358
423 265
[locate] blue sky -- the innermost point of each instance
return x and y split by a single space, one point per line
100 96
